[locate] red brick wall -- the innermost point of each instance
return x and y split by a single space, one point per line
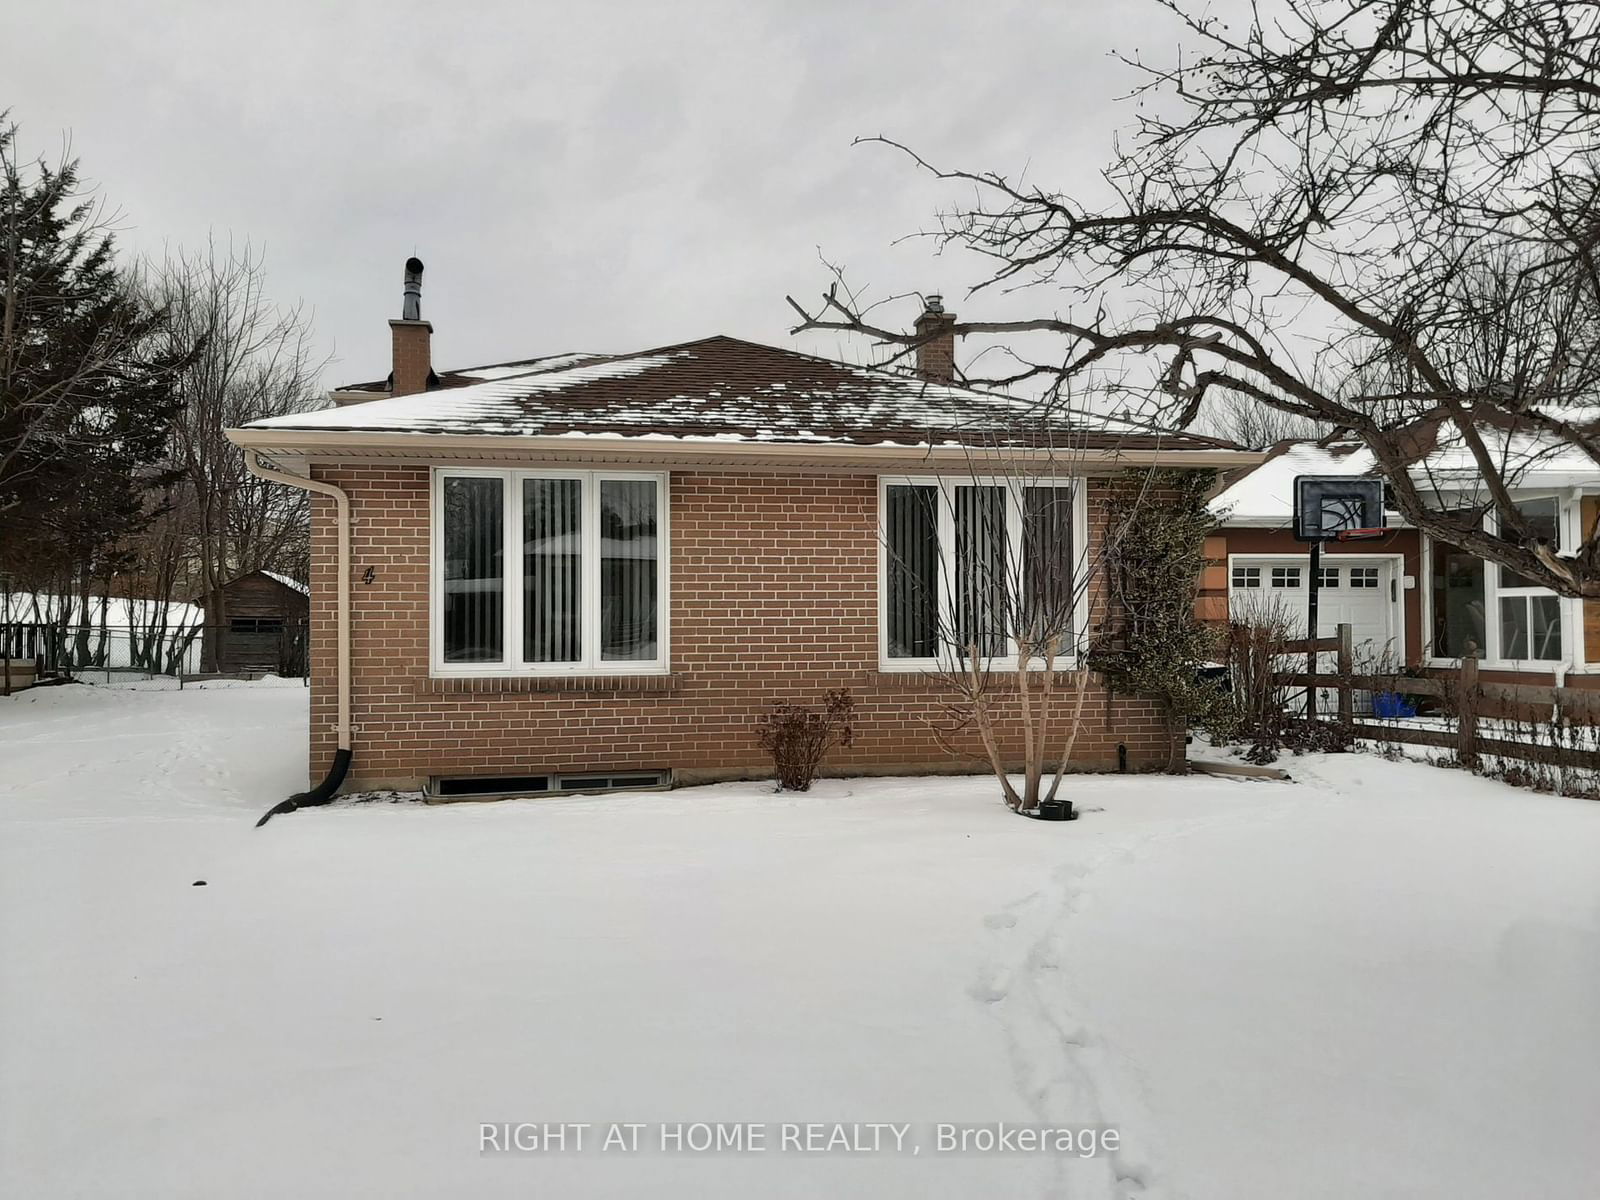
413 356
773 596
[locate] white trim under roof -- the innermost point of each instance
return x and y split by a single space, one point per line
432 448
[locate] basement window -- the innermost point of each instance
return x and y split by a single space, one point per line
536 785
617 782
491 785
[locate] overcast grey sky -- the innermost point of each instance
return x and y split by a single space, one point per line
576 176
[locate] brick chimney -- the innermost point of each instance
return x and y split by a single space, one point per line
936 345
413 340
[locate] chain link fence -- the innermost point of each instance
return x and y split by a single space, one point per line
243 647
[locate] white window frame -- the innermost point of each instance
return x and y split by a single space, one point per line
947 549
511 664
1568 518
1252 582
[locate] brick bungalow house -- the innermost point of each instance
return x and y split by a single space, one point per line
1426 603
599 570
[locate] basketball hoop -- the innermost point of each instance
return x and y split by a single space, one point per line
1331 508
1327 507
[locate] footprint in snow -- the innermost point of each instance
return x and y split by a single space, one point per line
1133 1175
1001 920
991 990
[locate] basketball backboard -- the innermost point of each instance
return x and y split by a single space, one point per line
1327 505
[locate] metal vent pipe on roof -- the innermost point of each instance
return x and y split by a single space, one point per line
411 310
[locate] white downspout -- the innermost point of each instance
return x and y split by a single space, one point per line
341 503
1571 529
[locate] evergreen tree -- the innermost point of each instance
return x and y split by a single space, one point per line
86 397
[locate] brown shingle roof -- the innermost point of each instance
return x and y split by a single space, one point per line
467 376
724 389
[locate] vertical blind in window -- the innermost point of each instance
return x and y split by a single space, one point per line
911 536
583 581
552 570
1047 563
953 580
981 585
628 515
474 570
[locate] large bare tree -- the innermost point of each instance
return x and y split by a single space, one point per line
255 359
1380 216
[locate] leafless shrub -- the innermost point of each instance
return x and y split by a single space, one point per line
799 737
1255 652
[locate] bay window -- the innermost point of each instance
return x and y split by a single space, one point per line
549 572
976 563
1530 627
1530 616
1456 590
1491 610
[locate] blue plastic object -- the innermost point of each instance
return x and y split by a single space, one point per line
1391 704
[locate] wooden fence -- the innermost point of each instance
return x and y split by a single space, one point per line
1466 697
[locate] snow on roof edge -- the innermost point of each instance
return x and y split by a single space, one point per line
287 582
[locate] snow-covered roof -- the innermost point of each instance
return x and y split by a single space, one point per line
1525 459
1265 495
466 376
288 582
114 612
724 389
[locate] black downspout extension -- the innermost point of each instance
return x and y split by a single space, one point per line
318 795
1122 758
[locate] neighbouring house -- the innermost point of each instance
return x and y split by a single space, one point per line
591 570
263 627
1412 600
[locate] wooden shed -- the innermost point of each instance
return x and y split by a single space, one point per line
262 628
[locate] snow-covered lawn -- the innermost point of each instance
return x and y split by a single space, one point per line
1380 980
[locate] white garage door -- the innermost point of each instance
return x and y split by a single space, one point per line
1356 590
